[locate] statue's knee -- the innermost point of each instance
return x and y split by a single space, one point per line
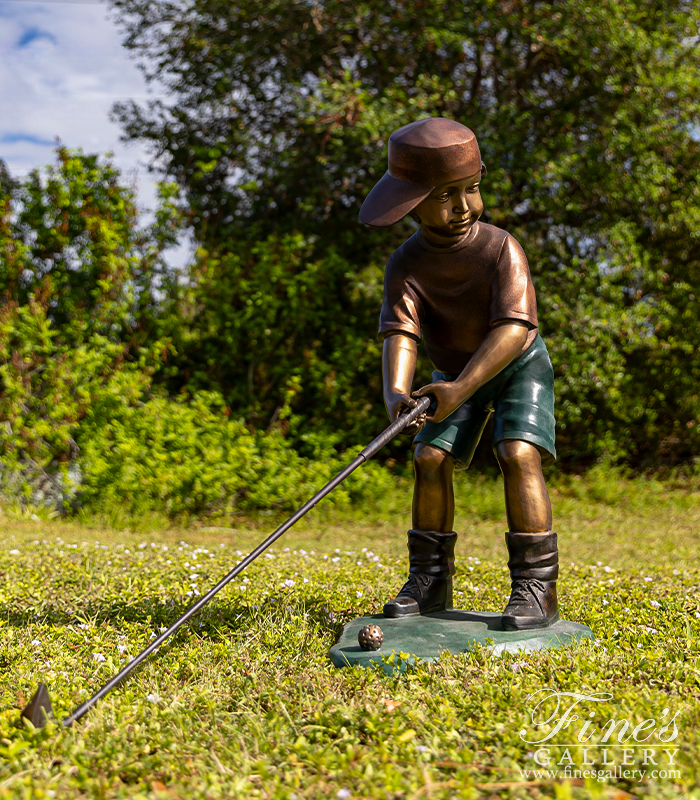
516 456
431 460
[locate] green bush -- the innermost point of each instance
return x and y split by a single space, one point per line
78 300
189 458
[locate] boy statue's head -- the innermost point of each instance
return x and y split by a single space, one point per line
434 172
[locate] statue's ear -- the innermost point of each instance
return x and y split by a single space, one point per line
483 169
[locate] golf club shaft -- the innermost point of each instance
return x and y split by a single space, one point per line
395 428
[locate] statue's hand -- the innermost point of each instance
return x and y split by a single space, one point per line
397 404
448 397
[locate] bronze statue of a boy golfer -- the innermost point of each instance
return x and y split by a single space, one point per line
464 287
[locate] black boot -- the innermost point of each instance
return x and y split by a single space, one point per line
431 558
534 569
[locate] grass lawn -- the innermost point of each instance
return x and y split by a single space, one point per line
243 702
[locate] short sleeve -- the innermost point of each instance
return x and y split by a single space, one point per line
402 310
511 293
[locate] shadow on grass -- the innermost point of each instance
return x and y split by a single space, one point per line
215 621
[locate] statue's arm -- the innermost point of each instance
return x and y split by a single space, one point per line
399 356
500 346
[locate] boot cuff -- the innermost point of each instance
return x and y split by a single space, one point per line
533 555
432 552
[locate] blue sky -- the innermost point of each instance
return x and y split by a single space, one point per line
62 67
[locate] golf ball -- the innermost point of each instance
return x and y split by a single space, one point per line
370 637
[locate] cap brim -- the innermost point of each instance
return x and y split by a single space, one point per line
390 201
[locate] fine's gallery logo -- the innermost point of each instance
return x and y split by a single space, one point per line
573 737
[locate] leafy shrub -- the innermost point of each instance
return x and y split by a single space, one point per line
189 458
78 281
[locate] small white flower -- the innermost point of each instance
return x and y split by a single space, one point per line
343 794
288 583
83 625
194 576
655 603
14 552
421 748
152 698
676 572
36 642
605 602
336 558
358 594
306 580
639 646
153 635
607 569
647 578
121 648
98 657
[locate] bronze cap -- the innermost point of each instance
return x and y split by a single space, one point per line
422 155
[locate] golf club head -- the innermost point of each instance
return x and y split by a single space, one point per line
39 709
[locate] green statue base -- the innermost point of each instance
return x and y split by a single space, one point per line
424 638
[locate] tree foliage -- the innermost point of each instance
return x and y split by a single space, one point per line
276 129
77 306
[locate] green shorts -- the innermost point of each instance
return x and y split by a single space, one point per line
522 399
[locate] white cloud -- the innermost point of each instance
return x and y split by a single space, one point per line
62 67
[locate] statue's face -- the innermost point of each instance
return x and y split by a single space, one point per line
450 210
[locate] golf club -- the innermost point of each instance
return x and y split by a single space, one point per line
39 709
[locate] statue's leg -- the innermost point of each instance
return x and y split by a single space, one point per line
527 500
532 545
431 542
433 492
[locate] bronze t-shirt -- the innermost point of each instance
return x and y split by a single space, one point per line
452 296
